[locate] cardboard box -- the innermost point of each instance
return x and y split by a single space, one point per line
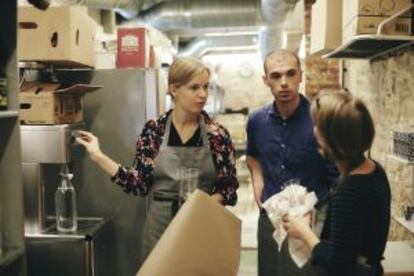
161 79
326 26
353 8
48 103
105 60
59 35
133 48
104 18
369 25
140 47
204 238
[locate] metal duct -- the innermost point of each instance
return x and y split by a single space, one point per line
274 13
270 38
190 14
127 8
201 45
202 15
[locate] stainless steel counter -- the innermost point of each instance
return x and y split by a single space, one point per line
86 252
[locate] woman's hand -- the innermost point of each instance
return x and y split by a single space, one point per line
296 226
299 227
91 144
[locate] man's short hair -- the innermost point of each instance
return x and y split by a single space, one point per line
281 52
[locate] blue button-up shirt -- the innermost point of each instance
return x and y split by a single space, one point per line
287 149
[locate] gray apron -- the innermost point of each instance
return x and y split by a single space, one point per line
164 194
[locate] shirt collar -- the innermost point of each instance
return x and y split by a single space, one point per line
273 111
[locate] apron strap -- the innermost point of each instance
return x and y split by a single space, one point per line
166 135
203 133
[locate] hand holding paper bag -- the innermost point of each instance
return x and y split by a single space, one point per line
203 239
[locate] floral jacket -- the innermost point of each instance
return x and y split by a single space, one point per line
138 179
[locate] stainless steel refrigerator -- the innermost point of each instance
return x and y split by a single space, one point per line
116 114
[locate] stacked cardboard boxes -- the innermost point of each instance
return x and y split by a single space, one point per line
326 26
59 35
364 17
64 37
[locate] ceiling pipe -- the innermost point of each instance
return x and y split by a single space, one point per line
189 15
127 8
201 45
193 14
274 13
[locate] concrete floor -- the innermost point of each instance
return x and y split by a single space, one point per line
248 263
247 211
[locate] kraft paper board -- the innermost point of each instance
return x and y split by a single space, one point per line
203 239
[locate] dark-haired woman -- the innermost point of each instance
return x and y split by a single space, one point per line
355 232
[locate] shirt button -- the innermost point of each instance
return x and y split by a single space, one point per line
282 167
284 124
282 145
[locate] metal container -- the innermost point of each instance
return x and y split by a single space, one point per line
50 144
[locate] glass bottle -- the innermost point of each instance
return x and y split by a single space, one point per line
65 205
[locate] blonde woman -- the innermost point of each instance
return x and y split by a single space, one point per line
183 137
355 232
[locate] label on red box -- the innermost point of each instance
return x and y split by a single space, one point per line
132 48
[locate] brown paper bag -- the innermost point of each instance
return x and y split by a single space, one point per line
203 239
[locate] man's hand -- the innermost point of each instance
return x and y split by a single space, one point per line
257 192
257 178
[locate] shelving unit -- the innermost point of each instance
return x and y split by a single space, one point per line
12 258
370 46
408 224
375 45
8 114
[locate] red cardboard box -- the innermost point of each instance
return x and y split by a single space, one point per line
133 47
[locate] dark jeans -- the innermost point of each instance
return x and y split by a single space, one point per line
272 262
268 254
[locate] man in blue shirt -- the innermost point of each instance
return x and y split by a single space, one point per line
281 146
